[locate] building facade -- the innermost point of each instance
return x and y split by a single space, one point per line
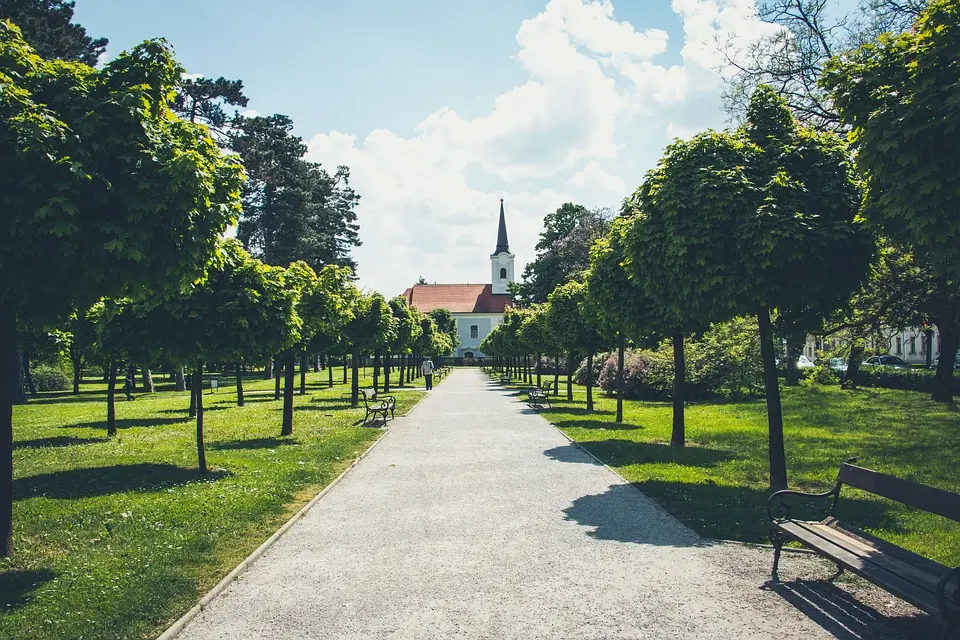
476 308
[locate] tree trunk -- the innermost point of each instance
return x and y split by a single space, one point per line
329 372
620 349
794 349
27 376
147 379
289 379
853 365
268 370
8 380
401 369
345 369
386 373
278 369
304 364
929 335
77 360
193 396
111 400
355 383
198 392
239 383
943 379
556 375
590 381
316 363
778 458
678 437
181 380
570 376
376 371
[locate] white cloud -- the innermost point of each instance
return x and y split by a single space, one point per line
595 178
192 76
680 131
595 102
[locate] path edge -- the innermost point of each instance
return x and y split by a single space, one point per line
758 545
174 629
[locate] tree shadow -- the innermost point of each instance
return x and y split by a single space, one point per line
621 453
254 443
85 396
127 423
101 481
845 617
56 441
16 586
256 396
623 514
582 411
607 425
185 410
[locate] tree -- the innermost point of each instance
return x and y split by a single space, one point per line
82 335
293 209
806 35
563 251
617 303
325 307
901 97
408 332
535 334
761 218
97 171
447 324
47 26
370 327
203 100
568 321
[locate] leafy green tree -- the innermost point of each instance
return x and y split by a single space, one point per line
408 331
563 251
47 25
81 336
371 327
96 170
203 100
448 325
569 322
761 218
325 308
900 96
535 334
617 303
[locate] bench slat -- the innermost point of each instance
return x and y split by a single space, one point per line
890 580
930 499
909 557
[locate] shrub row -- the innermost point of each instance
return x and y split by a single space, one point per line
891 378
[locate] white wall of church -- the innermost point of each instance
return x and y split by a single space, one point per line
484 323
498 263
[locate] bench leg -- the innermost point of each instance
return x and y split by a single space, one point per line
777 539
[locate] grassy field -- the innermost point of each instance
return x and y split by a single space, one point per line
717 484
116 538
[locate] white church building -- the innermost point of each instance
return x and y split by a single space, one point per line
477 308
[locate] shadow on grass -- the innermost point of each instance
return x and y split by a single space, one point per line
621 513
85 396
621 453
101 481
255 443
16 586
56 441
608 424
185 411
582 411
845 617
127 423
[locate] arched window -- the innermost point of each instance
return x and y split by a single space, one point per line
503 274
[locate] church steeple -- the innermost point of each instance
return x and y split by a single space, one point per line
501 260
502 245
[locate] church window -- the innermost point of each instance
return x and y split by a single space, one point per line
474 331
503 274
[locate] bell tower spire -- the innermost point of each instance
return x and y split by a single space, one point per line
501 260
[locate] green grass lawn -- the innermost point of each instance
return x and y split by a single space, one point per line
717 484
116 538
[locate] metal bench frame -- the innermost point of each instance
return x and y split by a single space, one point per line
375 406
924 583
537 397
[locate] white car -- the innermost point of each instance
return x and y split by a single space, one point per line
805 363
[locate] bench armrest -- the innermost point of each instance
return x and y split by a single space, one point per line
778 509
949 607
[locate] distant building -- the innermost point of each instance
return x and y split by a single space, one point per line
477 308
910 345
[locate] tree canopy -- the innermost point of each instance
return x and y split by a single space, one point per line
49 28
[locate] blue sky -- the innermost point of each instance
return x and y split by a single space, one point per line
440 108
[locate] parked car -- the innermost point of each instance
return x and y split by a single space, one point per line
804 363
838 364
885 361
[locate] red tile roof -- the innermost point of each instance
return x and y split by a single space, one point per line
457 298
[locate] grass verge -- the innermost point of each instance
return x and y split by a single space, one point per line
718 483
116 538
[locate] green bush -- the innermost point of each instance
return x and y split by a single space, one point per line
821 374
892 378
48 378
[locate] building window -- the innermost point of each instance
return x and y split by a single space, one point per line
899 346
913 346
474 331
503 274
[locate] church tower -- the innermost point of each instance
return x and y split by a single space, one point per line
501 260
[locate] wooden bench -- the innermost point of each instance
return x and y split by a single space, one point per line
924 583
375 407
390 400
538 397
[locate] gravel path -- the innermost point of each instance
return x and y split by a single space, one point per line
474 518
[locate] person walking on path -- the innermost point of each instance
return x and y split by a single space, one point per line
427 369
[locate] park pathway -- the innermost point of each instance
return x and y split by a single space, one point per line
474 518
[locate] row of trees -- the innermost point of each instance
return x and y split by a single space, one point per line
774 219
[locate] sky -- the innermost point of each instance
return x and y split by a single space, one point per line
442 107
